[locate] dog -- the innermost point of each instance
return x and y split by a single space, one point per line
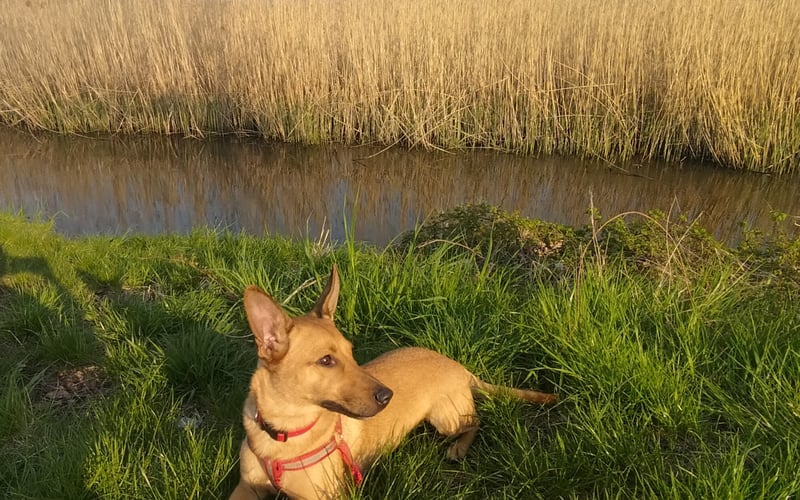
313 415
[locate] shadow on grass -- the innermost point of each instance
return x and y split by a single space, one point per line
115 393
174 427
48 382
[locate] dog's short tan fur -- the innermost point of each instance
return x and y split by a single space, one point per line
306 369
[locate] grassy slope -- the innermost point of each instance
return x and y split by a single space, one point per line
714 79
674 384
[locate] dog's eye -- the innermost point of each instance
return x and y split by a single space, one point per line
326 361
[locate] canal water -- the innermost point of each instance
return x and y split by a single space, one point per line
158 185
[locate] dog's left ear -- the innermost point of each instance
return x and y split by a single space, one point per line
326 304
269 323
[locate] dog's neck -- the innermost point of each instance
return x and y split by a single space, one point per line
281 435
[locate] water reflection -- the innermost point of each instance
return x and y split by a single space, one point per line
156 185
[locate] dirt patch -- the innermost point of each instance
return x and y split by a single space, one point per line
72 385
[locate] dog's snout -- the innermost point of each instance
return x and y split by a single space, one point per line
383 395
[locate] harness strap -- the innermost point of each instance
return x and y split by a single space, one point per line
347 456
276 468
358 477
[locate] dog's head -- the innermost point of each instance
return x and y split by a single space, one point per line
308 359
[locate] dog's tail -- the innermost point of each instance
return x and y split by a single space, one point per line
481 388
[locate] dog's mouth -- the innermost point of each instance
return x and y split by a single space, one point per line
338 408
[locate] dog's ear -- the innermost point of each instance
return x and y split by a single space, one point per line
269 323
326 304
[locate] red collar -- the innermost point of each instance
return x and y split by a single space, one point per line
276 468
282 436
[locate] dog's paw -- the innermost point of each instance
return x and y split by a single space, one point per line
457 450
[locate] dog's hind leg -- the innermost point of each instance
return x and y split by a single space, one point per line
455 416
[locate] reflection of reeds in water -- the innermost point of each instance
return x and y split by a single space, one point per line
716 79
173 185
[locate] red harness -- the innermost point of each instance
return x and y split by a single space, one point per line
276 468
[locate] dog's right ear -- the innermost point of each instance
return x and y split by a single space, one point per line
269 323
326 303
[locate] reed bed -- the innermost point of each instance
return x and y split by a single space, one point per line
715 80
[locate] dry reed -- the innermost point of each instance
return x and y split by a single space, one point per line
677 79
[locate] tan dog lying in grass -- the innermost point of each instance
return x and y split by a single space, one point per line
313 414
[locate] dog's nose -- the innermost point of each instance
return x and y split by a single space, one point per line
383 395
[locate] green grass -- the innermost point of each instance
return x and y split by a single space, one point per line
677 360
